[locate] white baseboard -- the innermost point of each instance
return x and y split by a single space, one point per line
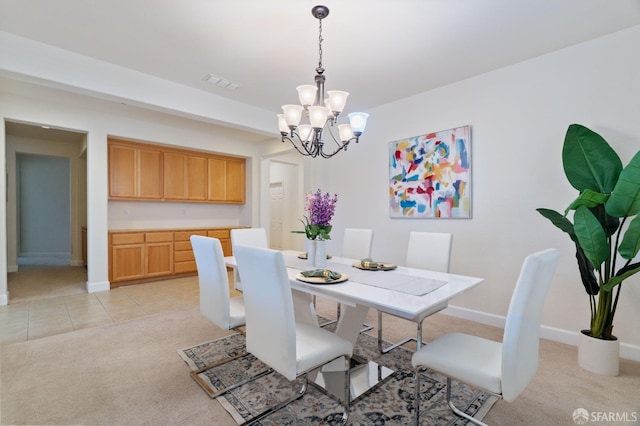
4 299
12 268
627 350
99 286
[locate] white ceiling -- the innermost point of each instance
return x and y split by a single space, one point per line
378 50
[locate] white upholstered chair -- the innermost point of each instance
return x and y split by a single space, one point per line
426 250
254 237
273 336
506 368
215 303
356 244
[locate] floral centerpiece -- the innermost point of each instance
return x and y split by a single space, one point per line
319 209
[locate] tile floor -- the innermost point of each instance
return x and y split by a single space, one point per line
36 316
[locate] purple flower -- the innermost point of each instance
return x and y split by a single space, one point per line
320 209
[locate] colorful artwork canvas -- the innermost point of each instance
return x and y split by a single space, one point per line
430 175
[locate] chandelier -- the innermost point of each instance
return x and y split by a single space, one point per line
320 112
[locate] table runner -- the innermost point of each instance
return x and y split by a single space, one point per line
391 280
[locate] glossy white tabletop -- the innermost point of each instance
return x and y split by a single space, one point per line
390 301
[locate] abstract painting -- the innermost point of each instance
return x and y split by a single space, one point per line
430 175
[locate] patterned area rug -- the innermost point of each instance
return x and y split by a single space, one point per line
390 403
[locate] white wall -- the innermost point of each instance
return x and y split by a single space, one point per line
518 117
24 102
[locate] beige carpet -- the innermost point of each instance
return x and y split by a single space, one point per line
122 374
129 373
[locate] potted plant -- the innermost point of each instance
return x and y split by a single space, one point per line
605 230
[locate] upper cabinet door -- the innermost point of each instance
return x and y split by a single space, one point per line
226 180
134 172
217 186
150 174
236 181
196 177
174 169
185 177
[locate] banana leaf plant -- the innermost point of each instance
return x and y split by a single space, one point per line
606 224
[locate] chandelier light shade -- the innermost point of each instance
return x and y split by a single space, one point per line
306 125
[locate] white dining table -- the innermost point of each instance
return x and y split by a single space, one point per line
397 292
405 292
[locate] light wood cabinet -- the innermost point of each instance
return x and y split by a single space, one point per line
158 254
226 180
153 172
127 257
137 256
134 172
185 177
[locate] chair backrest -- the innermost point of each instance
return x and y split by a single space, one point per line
254 237
270 320
522 328
429 250
212 279
357 243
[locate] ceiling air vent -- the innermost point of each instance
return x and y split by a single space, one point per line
220 82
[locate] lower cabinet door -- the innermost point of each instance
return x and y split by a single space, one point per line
159 259
127 262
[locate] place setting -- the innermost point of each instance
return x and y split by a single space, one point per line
371 265
322 276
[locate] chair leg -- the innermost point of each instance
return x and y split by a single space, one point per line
416 397
347 390
458 411
417 339
214 394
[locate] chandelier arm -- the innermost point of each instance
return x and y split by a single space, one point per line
304 151
329 127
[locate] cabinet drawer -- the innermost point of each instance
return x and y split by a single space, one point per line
186 235
218 233
184 267
183 256
182 246
119 239
159 237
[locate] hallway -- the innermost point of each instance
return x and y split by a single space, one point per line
49 300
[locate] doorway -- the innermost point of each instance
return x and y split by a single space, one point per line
43 210
284 201
275 214
46 210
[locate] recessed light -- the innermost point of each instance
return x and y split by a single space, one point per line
45 127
